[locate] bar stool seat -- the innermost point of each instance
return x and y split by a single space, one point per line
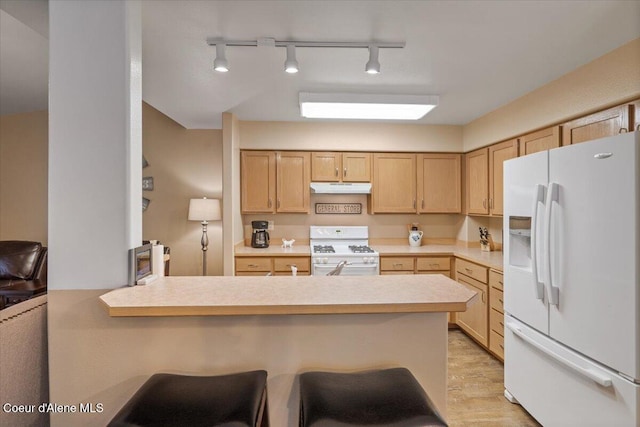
170 400
388 397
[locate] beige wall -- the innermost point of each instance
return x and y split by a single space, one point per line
329 136
23 176
612 79
184 164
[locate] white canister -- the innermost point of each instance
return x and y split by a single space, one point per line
157 252
415 237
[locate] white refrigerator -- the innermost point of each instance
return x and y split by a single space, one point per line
572 283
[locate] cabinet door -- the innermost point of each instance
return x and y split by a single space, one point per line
326 167
258 181
439 189
394 183
636 116
541 140
598 125
356 167
293 180
498 153
474 321
477 181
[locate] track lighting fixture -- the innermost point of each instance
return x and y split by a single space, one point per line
291 64
373 66
220 63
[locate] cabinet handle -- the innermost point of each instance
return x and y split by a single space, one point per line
336 172
269 204
278 203
484 298
414 203
501 346
484 203
397 264
422 203
638 127
490 203
468 270
291 265
434 265
252 265
623 130
344 172
500 281
500 299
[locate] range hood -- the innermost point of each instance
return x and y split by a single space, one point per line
341 187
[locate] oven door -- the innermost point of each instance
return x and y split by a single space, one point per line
360 269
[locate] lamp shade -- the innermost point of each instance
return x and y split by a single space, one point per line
204 209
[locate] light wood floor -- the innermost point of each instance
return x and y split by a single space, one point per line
476 386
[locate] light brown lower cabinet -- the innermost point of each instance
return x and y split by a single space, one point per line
475 320
496 314
279 266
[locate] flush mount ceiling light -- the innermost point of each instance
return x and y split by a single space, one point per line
365 106
291 64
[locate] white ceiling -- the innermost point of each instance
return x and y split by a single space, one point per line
476 55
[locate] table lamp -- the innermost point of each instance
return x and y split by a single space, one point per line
204 210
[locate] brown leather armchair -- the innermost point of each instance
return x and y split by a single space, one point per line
23 271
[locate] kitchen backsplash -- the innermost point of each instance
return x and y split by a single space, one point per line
440 227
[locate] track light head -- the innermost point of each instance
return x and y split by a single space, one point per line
291 64
221 64
373 66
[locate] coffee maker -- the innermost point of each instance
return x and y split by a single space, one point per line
260 236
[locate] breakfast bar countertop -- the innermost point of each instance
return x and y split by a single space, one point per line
285 295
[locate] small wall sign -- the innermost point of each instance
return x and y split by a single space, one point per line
338 208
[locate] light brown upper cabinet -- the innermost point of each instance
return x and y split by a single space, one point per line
541 140
477 181
258 181
498 153
293 180
394 183
340 167
597 125
275 181
438 183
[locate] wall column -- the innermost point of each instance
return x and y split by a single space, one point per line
95 142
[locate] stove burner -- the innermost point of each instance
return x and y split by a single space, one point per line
363 249
323 249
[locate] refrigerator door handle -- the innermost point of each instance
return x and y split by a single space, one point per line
599 378
552 196
538 197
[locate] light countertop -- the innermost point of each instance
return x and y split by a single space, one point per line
281 295
491 259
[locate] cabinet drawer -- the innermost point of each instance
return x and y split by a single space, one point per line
470 269
285 263
496 280
396 264
496 322
496 344
433 263
496 298
253 264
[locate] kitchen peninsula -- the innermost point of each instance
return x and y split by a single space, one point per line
288 325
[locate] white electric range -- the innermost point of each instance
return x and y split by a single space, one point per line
332 244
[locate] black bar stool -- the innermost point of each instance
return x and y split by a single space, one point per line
388 397
170 400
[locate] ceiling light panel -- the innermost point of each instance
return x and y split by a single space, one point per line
365 106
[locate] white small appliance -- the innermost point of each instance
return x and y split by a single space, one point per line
332 244
572 283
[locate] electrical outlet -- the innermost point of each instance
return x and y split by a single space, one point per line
270 228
